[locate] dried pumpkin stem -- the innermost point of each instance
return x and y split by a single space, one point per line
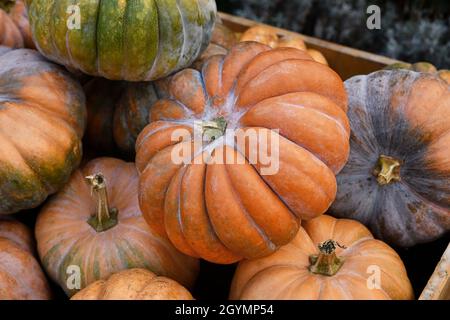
326 263
214 129
105 218
387 170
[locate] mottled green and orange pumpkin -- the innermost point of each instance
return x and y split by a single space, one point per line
397 179
226 211
117 113
137 40
21 276
94 225
42 120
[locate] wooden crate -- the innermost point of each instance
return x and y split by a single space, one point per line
348 62
438 287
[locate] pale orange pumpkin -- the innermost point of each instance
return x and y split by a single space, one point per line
134 284
21 277
94 225
329 259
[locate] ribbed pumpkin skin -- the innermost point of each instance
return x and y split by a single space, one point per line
285 274
225 212
9 33
21 277
137 40
42 120
65 238
117 113
404 115
222 40
134 284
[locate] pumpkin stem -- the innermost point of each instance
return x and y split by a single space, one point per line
326 263
387 170
214 129
105 218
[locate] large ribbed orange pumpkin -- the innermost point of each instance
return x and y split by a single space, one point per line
94 225
21 277
134 284
329 259
226 212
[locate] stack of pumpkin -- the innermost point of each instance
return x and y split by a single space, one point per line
111 229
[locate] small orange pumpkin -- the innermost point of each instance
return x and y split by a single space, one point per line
225 212
269 36
104 234
134 284
21 277
15 29
329 259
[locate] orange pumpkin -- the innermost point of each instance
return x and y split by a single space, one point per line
224 212
15 29
134 284
329 259
21 277
269 36
117 113
396 181
95 224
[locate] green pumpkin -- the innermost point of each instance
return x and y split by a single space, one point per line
133 40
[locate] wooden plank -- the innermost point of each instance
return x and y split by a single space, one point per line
438 287
346 61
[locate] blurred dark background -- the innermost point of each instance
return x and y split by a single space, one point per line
411 30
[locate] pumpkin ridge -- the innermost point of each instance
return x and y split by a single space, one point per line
423 198
326 69
243 213
307 173
269 186
210 226
96 65
345 134
270 245
32 168
69 258
13 254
